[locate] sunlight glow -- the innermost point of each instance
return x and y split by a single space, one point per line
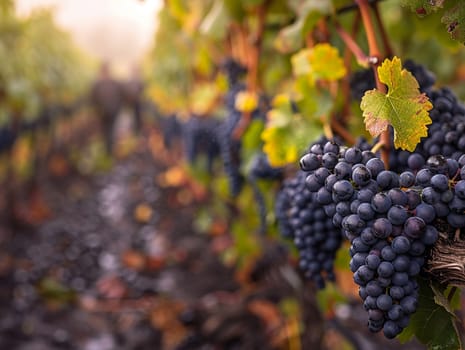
119 31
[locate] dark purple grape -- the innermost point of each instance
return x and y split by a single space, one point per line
401 263
310 162
372 261
409 304
375 165
381 203
361 176
365 211
460 189
385 269
400 245
400 279
382 228
353 155
406 179
396 292
384 302
425 212
329 160
414 227
395 312
397 215
388 254
391 329
430 236
440 182
398 197
343 190
423 177
416 161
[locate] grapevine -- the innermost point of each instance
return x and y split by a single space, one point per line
298 183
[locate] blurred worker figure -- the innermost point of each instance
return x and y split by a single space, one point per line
134 88
107 97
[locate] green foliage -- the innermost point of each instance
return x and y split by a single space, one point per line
455 21
290 38
321 62
423 7
434 322
306 80
452 12
288 133
39 64
328 297
403 106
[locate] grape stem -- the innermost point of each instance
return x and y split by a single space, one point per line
384 37
342 131
375 58
379 145
328 132
351 44
346 91
451 293
352 7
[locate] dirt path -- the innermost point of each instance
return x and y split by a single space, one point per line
120 266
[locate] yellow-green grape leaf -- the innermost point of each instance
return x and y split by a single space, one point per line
203 98
246 101
321 62
287 133
403 106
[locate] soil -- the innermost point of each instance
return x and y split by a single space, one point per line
114 261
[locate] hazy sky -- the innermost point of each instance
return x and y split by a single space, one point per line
116 30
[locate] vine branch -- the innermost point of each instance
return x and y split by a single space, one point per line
375 59
252 76
388 51
352 45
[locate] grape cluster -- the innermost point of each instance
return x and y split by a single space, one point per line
200 137
7 139
304 218
262 170
389 218
230 145
446 133
315 236
233 70
171 128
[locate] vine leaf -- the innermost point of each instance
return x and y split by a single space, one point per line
455 21
308 13
423 7
453 14
287 133
403 106
246 101
432 324
321 62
